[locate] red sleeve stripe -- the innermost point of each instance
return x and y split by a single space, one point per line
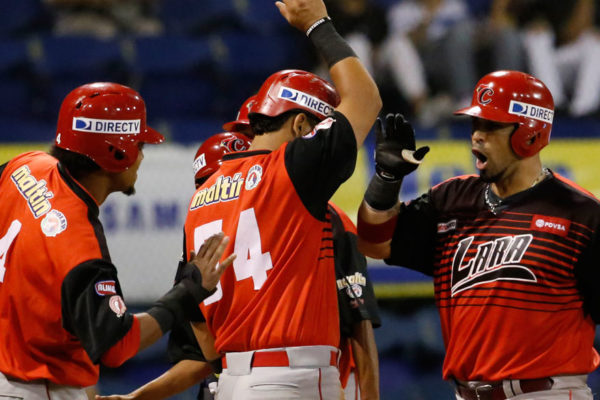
125 348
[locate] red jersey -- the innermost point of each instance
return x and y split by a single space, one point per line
280 290
516 289
60 300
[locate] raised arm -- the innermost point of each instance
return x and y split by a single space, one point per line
360 101
395 157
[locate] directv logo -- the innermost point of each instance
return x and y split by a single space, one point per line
305 100
110 126
531 111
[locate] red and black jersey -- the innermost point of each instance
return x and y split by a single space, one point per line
280 290
60 300
356 298
516 290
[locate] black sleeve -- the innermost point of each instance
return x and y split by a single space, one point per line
183 345
321 161
414 238
2 167
356 298
587 274
92 307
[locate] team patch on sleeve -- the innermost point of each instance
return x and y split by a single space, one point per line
104 288
323 125
53 223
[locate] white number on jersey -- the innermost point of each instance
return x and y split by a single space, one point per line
251 262
5 243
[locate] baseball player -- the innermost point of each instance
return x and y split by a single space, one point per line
513 252
62 308
275 317
358 308
190 365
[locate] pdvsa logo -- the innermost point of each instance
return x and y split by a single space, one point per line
104 288
35 192
108 126
557 226
306 100
225 188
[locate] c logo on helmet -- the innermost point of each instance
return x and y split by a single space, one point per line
484 95
233 144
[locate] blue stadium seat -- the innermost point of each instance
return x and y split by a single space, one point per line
83 56
192 130
178 96
166 54
262 16
192 16
259 55
16 99
13 55
18 16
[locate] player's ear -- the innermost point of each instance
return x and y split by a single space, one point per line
300 125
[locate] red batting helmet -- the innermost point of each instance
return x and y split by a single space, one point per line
294 89
515 97
209 155
241 123
105 122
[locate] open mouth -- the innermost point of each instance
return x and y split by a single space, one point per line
481 159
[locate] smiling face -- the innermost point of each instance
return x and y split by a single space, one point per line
490 143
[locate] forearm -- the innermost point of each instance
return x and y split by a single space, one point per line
367 361
150 330
180 377
375 230
359 95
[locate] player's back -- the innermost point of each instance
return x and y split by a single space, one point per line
280 292
45 230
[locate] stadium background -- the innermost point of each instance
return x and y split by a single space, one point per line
194 77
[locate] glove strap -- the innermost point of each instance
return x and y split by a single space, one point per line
382 194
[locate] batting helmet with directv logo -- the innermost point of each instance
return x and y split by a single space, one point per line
242 123
515 97
106 122
294 89
210 153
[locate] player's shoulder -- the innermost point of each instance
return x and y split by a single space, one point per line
459 183
576 193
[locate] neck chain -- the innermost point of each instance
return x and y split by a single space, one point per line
494 204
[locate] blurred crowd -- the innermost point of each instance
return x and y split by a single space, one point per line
430 52
424 54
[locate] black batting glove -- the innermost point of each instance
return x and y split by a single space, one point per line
395 154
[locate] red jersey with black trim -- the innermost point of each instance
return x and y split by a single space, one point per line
60 299
280 290
516 288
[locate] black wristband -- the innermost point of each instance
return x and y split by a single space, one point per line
382 194
179 304
328 42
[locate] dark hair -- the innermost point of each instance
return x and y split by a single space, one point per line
78 165
264 124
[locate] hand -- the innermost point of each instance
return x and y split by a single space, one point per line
395 154
301 14
208 257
